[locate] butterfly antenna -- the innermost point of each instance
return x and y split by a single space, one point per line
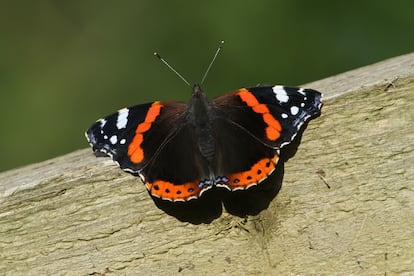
212 61
171 68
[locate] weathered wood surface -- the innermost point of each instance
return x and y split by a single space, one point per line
81 215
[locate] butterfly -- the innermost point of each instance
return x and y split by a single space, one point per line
180 150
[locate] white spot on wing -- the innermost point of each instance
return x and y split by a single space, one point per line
280 94
284 115
113 139
294 110
122 119
122 142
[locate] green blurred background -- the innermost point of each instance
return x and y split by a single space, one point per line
64 64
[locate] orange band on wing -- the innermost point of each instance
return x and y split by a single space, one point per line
135 151
175 192
257 173
273 128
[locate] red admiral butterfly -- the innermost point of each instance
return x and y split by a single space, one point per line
181 150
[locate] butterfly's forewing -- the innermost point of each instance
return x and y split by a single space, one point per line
291 106
113 134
